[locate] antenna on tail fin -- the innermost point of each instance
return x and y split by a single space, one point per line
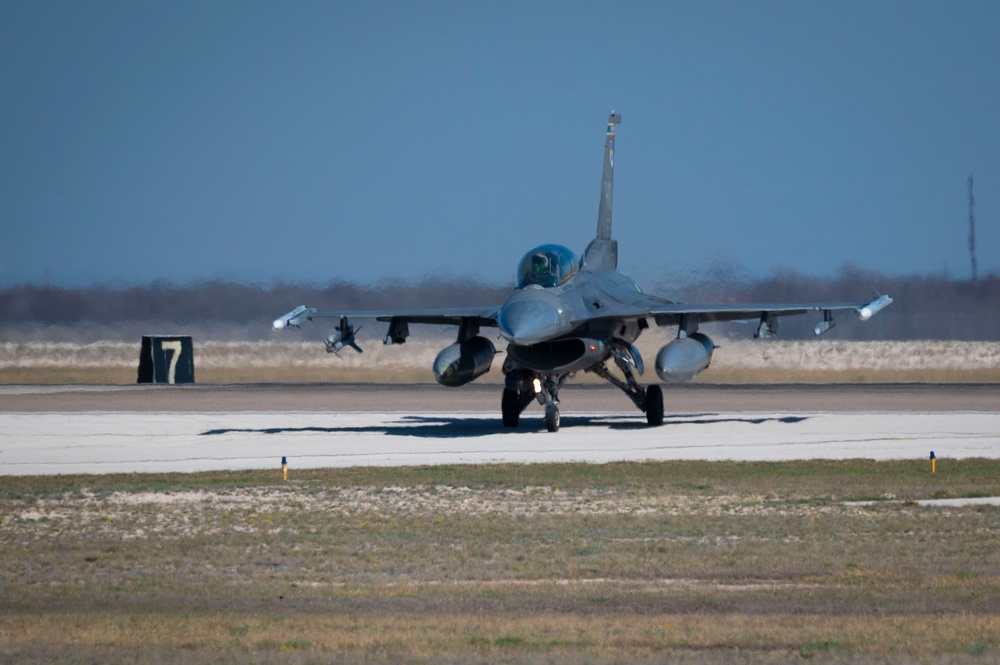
602 252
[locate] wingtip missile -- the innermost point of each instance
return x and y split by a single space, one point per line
295 318
874 307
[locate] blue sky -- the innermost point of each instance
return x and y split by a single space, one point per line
369 140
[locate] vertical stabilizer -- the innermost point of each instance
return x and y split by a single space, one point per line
608 180
602 252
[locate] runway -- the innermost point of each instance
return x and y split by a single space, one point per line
110 429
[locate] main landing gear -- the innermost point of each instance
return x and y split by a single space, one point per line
512 404
654 405
649 400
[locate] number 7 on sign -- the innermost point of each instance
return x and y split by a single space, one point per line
175 346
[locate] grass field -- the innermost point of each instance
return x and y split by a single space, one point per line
691 562
737 361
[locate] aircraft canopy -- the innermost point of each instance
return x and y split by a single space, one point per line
546 265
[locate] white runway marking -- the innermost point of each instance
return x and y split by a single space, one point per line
106 442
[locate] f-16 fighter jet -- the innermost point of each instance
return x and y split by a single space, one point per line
567 315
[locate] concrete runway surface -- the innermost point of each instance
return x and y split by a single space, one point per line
107 429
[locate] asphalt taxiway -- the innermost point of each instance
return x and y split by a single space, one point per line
106 429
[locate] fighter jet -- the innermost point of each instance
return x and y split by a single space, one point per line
568 315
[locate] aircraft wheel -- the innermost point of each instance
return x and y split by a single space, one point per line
510 408
552 417
654 405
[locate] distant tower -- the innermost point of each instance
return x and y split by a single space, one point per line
972 231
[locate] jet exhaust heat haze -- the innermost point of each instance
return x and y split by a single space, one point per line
567 315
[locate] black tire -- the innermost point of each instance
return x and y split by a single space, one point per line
552 417
510 408
654 405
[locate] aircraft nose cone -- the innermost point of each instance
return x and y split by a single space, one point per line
528 322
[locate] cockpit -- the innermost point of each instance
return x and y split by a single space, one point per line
545 266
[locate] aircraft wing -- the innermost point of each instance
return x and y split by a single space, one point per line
483 316
667 313
671 314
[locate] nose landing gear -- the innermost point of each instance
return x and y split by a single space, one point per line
521 387
552 417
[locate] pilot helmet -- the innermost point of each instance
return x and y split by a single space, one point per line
539 264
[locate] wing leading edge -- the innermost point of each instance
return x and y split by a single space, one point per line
483 316
688 315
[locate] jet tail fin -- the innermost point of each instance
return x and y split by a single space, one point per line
602 252
607 180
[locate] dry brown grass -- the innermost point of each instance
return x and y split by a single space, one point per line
709 563
738 361
541 637
221 375
744 375
225 375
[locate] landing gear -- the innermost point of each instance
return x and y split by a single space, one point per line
552 417
654 405
513 403
517 394
649 400
511 407
523 386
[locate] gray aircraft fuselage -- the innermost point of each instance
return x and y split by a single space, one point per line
569 327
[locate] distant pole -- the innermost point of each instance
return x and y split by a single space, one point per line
972 231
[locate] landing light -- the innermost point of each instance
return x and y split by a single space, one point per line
537 386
